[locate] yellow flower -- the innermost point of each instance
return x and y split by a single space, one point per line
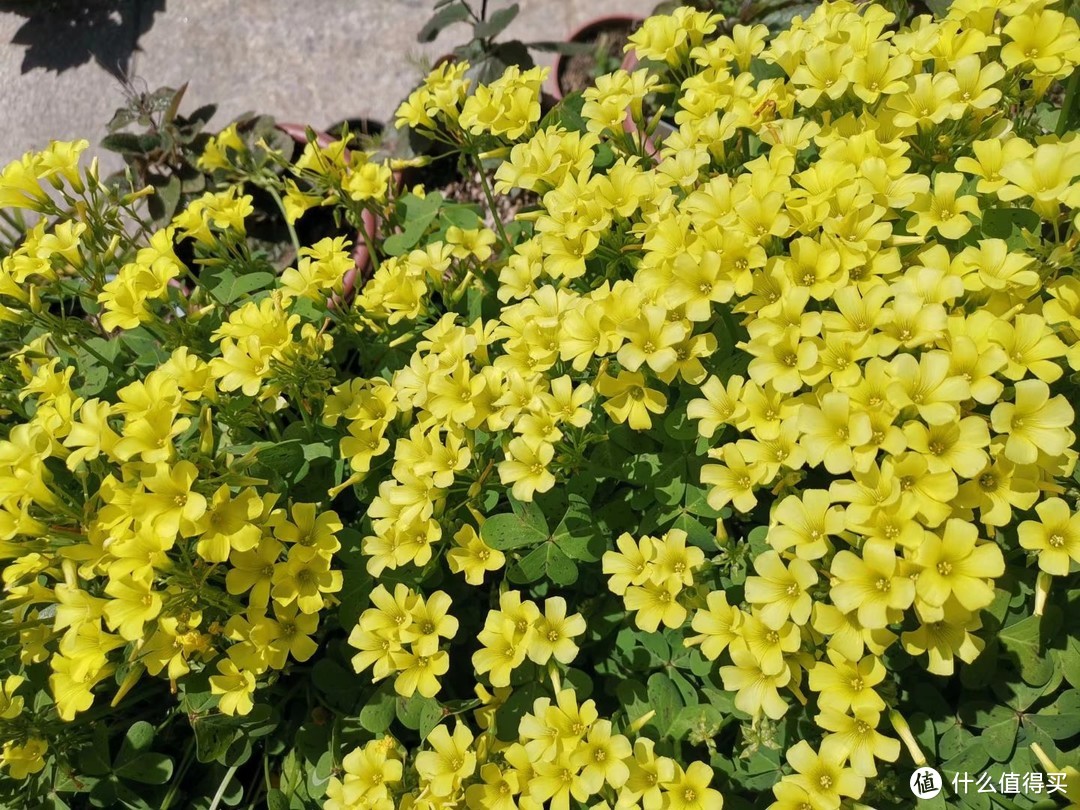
1055 536
252 571
1043 176
555 780
304 581
19 187
717 626
508 106
823 775
367 180
11 706
602 756
756 692
132 605
170 502
1044 38
648 772
689 789
845 684
496 791
472 556
554 632
952 565
450 760
942 209
957 446
630 565
311 531
216 152
229 525
856 737
830 433
526 467
999 488
946 638
781 591
475 242
990 156
733 481
650 338
235 686
1034 422
876 585
823 73
368 773
928 100
804 523
656 603
630 400
1031 348
419 673
431 621
25 759
926 385
720 405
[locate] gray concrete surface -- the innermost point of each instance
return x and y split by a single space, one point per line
308 61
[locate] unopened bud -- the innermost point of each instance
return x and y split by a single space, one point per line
355 478
71 579
206 431
1042 591
904 731
145 191
722 537
556 679
501 153
129 682
397 164
640 723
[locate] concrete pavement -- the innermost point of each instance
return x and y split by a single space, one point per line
308 61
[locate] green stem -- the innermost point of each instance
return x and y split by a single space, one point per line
1066 114
185 763
281 205
195 280
153 330
490 197
63 343
275 431
16 223
221 788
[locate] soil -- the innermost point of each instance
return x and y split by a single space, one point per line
605 55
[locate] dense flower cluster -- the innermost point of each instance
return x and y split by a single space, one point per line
844 284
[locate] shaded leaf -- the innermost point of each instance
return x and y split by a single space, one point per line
445 16
148 768
511 530
496 23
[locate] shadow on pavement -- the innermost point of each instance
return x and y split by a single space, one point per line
62 34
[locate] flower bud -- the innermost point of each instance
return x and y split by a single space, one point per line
1042 591
904 731
640 723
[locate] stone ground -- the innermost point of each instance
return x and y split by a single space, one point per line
309 61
